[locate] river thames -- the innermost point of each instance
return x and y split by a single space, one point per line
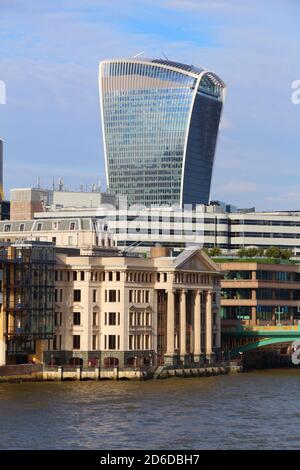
257 410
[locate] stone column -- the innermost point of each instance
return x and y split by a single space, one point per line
183 325
218 318
208 327
170 354
197 327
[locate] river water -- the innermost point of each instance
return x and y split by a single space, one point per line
257 410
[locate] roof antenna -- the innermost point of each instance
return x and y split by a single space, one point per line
165 56
140 53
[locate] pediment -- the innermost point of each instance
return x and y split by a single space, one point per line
146 308
195 260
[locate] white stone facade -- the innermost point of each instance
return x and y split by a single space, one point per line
132 311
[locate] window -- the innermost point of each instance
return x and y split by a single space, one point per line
7 228
74 275
76 341
118 277
55 342
112 342
77 295
22 227
58 318
94 295
39 227
95 342
95 319
110 276
76 318
113 318
72 226
112 296
82 275
53 239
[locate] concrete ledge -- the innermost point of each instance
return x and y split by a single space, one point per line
40 372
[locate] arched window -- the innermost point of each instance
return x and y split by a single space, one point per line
111 362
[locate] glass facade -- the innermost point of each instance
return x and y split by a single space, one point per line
160 122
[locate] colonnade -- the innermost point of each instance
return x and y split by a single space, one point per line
202 301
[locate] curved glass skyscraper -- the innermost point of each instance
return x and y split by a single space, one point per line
160 123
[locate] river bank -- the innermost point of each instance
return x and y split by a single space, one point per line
40 372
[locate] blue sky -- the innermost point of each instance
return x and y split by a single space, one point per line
49 54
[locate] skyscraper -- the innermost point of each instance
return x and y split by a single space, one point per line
160 122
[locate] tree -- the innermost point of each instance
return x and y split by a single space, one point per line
273 252
242 252
216 251
286 254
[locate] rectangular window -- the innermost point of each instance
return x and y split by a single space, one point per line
112 318
7 228
39 227
118 276
76 341
77 295
95 319
130 296
74 275
94 295
76 318
112 296
22 227
58 318
112 343
110 276
82 275
95 343
72 226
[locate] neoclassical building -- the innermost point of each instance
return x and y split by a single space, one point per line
133 311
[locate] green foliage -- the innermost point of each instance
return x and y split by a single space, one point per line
271 252
214 251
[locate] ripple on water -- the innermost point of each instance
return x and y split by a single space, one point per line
242 411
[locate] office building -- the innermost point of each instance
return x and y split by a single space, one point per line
160 123
26 201
206 226
260 310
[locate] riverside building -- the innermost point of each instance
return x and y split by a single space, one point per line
26 300
160 123
132 311
260 307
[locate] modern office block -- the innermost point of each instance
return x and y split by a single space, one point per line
160 123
